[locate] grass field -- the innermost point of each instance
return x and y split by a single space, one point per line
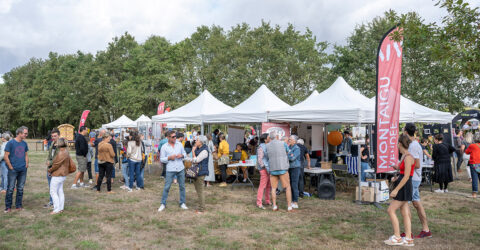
131 221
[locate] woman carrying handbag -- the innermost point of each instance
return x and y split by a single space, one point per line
62 166
200 158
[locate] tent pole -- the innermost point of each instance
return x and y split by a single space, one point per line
202 129
325 142
359 166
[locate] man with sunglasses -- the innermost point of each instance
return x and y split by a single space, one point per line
172 154
16 157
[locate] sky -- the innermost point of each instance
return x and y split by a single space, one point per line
33 28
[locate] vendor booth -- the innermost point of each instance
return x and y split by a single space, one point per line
254 109
122 122
466 116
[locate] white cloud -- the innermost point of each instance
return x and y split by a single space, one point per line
32 28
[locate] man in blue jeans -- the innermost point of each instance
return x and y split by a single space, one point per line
172 154
52 152
415 149
16 158
294 170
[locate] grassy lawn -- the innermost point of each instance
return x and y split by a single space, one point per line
130 220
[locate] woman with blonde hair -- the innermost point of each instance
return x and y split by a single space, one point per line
59 171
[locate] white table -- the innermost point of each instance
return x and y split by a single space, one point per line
247 163
317 171
427 172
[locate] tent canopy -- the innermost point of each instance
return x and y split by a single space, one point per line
308 99
194 111
143 119
466 116
122 122
340 103
254 109
411 111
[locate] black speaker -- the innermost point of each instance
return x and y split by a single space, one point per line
326 187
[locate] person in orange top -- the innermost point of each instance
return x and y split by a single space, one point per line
474 151
244 157
105 161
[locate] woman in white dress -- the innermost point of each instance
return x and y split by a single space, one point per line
211 170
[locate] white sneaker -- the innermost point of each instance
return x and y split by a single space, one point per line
445 191
294 205
183 206
394 241
289 209
90 181
161 208
137 188
74 186
82 184
439 191
129 189
408 242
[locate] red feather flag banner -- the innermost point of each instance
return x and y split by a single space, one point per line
387 108
161 108
83 119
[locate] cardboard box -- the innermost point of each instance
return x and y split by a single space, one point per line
373 193
326 165
380 185
368 194
382 195
378 180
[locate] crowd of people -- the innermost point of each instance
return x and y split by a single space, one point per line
280 161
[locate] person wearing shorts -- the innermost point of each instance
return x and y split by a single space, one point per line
81 150
415 149
279 165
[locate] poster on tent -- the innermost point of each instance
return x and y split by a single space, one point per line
389 72
282 129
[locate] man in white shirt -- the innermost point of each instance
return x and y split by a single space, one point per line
172 154
415 149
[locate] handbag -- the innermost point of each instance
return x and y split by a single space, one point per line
142 164
72 167
223 160
192 172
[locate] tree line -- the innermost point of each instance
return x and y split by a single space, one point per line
441 65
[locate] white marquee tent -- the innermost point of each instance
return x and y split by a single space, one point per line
255 109
143 119
308 99
340 103
411 111
194 111
122 122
